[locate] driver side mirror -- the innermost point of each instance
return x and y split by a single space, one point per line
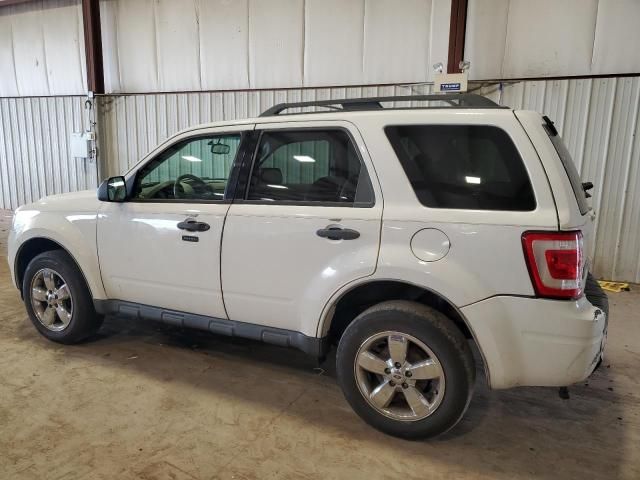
113 189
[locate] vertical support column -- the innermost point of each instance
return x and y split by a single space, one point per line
93 45
95 79
457 29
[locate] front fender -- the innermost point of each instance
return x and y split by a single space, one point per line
74 232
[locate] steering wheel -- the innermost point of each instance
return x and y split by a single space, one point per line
196 182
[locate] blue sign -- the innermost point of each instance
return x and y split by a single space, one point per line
450 87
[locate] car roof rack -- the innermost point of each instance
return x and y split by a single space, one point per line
453 100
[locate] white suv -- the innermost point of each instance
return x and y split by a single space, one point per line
400 234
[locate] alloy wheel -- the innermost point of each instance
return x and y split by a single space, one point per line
399 376
51 299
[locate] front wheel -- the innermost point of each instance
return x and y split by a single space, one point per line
406 369
57 298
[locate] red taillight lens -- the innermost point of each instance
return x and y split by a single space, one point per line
563 264
555 261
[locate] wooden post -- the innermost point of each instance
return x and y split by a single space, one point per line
93 45
457 29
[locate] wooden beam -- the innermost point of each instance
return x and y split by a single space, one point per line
457 29
93 45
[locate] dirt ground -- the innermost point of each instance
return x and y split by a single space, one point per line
146 401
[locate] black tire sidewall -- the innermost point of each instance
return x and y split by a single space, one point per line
84 320
446 342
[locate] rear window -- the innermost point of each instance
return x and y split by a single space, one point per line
463 167
570 168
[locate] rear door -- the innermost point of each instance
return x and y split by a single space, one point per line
307 223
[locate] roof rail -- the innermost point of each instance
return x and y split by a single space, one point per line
454 100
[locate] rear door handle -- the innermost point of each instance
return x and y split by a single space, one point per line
194 226
338 233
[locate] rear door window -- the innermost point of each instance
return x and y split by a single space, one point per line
313 167
474 167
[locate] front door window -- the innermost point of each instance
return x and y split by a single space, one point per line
196 169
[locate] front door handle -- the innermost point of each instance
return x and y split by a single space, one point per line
194 226
338 233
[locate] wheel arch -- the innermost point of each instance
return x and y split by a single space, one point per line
34 247
345 307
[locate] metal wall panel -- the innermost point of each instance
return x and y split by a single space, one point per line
191 45
615 47
42 49
35 156
545 38
538 43
397 40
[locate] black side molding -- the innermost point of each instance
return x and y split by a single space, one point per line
312 346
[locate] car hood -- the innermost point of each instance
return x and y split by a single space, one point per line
83 201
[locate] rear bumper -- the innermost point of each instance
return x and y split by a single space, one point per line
537 342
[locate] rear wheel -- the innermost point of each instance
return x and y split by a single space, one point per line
57 298
406 369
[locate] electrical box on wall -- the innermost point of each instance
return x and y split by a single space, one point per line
81 144
450 82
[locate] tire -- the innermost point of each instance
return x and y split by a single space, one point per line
81 320
448 395
596 296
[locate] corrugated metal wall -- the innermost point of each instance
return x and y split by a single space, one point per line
131 125
598 119
35 158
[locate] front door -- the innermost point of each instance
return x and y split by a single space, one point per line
307 224
162 247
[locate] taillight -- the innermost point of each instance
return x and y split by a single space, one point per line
555 261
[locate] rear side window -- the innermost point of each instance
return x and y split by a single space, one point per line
314 166
463 166
569 167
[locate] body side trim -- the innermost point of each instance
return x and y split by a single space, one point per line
312 346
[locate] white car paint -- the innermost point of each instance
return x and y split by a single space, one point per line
69 220
273 270
530 341
144 260
268 249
